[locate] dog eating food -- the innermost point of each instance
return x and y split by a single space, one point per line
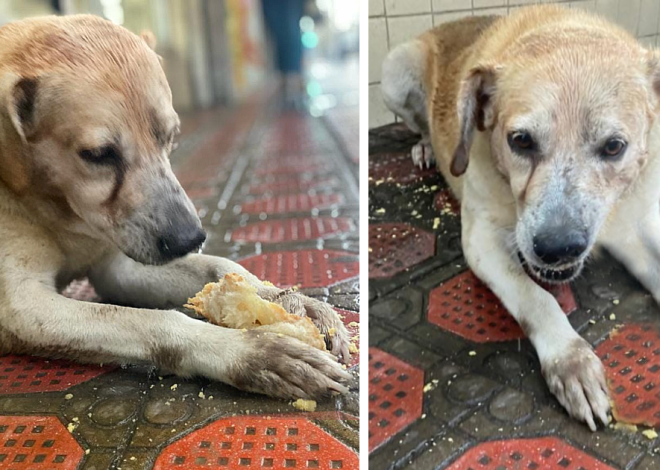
233 303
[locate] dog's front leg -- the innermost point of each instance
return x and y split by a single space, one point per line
119 279
46 323
573 372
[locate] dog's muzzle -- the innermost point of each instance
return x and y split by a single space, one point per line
553 274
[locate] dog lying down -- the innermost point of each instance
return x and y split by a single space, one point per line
86 189
544 124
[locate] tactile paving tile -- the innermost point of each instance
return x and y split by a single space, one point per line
26 374
301 202
288 230
397 168
310 167
352 322
303 268
81 290
37 443
395 396
258 442
292 185
546 453
446 203
397 247
466 307
631 357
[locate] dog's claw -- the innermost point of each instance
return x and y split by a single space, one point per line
422 155
577 378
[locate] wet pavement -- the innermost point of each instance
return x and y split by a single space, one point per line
276 192
453 382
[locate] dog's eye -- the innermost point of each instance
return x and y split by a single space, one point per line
613 148
107 155
521 142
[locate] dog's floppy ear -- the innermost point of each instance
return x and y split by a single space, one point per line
473 103
17 124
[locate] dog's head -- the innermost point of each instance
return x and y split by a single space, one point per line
569 116
87 123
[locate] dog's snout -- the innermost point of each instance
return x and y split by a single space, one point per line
180 242
560 245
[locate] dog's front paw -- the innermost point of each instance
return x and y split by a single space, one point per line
283 367
577 378
422 155
326 319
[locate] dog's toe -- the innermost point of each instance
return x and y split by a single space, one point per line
422 155
577 378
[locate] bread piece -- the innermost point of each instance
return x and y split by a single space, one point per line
233 302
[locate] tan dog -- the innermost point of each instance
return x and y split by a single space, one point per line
86 189
543 125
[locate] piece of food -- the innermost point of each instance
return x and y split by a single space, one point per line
304 405
233 302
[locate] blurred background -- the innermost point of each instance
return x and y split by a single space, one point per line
219 52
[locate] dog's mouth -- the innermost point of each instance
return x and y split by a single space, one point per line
553 274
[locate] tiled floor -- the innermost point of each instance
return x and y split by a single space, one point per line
453 382
276 192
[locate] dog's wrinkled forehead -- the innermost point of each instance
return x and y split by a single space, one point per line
583 99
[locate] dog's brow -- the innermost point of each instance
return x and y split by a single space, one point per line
157 129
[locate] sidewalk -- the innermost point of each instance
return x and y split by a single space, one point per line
277 193
453 382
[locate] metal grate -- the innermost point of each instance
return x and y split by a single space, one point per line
547 453
395 396
466 307
258 442
288 230
304 268
37 443
397 247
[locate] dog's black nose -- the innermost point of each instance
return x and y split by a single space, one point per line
179 243
560 246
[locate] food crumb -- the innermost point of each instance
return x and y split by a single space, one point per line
436 223
174 387
201 395
331 332
612 317
472 353
71 427
615 301
380 211
352 348
650 434
68 396
304 405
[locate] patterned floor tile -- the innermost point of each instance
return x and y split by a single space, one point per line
394 248
289 203
289 230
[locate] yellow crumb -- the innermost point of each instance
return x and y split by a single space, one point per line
331 332
650 434
304 405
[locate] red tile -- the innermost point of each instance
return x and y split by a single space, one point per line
349 317
201 192
310 167
81 290
395 396
26 374
304 268
445 201
37 443
631 357
258 442
396 248
546 453
466 307
397 168
292 185
288 230
301 202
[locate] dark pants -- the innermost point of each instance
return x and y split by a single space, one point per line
282 19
